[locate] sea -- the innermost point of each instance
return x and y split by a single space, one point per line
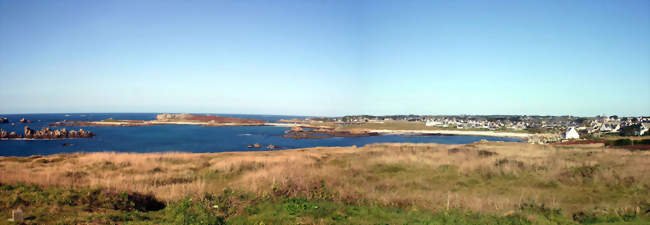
185 138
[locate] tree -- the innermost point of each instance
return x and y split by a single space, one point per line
631 130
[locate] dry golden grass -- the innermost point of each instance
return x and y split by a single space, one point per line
486 177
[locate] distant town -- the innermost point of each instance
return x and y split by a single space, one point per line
583 126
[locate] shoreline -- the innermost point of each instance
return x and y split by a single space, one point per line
455 133
37 139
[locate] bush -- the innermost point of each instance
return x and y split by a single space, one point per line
191 212
642 142
619 142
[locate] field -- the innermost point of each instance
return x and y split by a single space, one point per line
480 183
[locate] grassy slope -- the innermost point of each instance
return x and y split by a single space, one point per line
387 183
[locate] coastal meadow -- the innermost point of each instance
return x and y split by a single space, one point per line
538 184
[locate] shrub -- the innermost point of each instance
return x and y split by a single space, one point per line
191 212
619 142
642 142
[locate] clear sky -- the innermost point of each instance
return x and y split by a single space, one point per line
322 57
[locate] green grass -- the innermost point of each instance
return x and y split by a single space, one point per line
111 120
303 211
96 206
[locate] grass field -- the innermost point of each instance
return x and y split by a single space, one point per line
480 183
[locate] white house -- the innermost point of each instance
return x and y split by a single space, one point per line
571 133
645 127
431 123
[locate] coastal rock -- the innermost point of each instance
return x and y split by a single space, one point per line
296 129
4 120
47 133
28 132
272 147
23 120
256 145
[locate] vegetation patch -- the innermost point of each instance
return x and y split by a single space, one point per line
376 184
509 162
485 153
388 168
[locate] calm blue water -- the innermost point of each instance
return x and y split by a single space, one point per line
186 138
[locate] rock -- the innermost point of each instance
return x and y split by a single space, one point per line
164 117
250 146
13 124
256 145
294 129
272 147
47 133
66 144
4 120
23 120
28 132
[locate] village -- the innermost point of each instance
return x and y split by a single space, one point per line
568 126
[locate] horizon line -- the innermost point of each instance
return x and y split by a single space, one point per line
316 116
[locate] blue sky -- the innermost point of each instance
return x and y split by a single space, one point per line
326 57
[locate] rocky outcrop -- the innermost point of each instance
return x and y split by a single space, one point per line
47 133
256 145
297 132
172 117
4 120
23 120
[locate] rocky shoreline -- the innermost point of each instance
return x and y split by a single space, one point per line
45 134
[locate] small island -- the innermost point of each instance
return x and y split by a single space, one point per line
306 132
45 134
167 119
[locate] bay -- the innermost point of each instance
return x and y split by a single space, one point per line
185 138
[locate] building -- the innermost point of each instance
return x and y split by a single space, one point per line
431 123
571 133
645 127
